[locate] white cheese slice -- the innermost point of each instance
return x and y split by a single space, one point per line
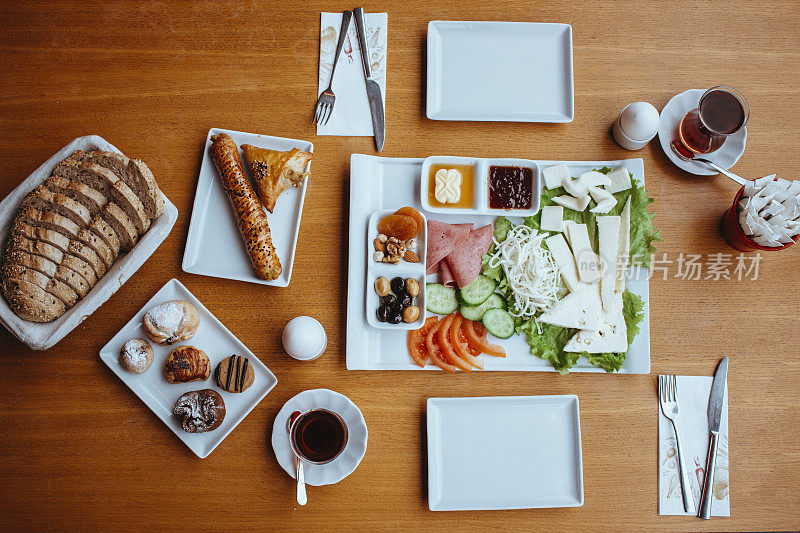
570 202
594 178
580 310
604 207
565 261
576 187
585 259
620 180
555 176
611 337
624 244
600 195
762 182
608 229
565 228
552 218
794 189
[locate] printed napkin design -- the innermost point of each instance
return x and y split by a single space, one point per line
351 115
693 392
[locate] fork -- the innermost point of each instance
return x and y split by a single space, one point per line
324 108
668 398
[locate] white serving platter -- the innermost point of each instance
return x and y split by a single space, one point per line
391 183
481 170
214 246
160 396
389 271
504 452
43 336
500 71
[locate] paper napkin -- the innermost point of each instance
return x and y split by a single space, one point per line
693 392
351 114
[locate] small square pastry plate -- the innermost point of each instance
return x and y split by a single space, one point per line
504 452
214 246
160 395
477 177
389 271
500 71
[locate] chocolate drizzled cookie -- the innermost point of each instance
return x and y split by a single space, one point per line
234 374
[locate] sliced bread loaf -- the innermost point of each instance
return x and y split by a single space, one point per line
103 251
55 287
35 262
121 224
85 252
44 199
41 234
30 302
74 280
90 197
49 220
81 267
100 227
35 247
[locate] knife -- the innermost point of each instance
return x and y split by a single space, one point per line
373 89
714 415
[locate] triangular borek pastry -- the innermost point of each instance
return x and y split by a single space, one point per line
275 171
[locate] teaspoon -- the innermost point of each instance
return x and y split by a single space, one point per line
738 179
302 498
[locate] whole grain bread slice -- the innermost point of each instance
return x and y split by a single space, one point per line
121 224
101 228
103 251
34 262
57 288
30 302
84 194
49 220
41 234
81 267
43 198
134 172
35 247
85 252
74 280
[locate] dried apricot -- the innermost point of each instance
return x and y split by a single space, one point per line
400 227
413 213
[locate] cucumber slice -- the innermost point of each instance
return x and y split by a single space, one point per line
478 291
440 299
475 312
499 323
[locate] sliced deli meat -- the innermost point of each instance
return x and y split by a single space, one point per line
442 239
448 280
465 259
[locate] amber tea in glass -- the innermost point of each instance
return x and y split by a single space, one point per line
722 111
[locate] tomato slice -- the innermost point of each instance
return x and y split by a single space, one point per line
447 347
480 329
416 341
480 343
435 351
459 341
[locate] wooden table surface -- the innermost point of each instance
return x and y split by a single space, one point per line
81 451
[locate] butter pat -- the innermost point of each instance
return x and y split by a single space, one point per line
447 185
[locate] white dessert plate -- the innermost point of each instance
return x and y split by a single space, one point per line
389 271
481 172
671 116
214 246
160 395
391 183
44 336
504 452
348 460
500 71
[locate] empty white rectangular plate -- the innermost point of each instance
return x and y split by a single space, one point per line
214 246
160 395
504 452
500 71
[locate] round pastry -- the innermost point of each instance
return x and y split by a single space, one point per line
185 364
136 356
234 374
200 410
170 322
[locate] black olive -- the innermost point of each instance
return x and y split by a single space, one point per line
398 285
405 300
388 300
383 313
396 309
395 318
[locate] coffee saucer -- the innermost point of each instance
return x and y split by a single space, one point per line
727 156
348 460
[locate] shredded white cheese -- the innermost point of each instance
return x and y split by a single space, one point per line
530 269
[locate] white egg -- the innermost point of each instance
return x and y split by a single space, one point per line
304 338
639 121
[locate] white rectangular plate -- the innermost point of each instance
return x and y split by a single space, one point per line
43 336
160 395
389 183
503 71
214 246
504 452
